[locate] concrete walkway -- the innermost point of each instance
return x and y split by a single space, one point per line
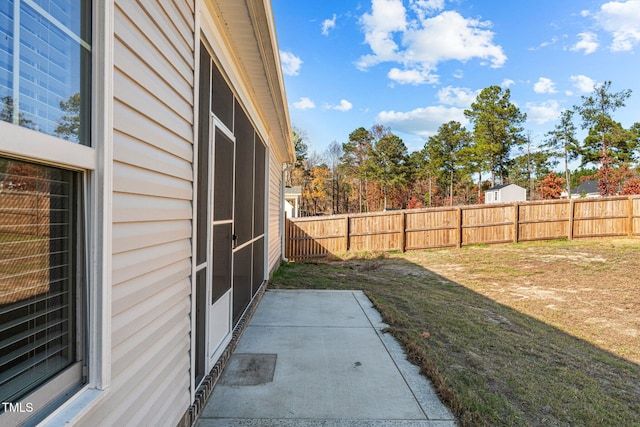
319 358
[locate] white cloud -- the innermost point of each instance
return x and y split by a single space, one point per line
507 82
343 106
622 20
543 112
421 121
419 44
451 36
544 85
583 83
386 17
588 43
290 63
304 104
328 24
414 76
422 8
457 96
544 44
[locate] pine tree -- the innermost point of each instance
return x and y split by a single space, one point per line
497 128
563 139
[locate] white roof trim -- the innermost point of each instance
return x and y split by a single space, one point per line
249 30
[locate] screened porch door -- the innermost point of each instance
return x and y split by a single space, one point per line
222 240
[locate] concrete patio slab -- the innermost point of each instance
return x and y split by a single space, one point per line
319 358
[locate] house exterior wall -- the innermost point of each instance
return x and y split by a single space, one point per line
513 193
274 215
508 194
153 134
138 176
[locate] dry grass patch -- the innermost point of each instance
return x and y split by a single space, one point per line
590 289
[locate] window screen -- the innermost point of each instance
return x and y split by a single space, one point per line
244 177
201 318
223 178
221 260
242 267
203 157
38 292
222 99
259 190
258 264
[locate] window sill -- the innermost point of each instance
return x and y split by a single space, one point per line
74 408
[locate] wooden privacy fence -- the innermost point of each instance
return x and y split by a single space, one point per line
464 225
24 213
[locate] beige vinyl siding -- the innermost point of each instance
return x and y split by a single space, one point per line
131 208
129 125
274 212
153 113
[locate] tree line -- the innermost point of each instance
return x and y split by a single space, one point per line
374 171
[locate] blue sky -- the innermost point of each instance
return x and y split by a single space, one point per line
413 65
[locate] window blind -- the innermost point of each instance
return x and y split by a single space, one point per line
37 289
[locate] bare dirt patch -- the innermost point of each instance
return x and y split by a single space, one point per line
590 289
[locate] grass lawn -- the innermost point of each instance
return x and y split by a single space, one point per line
541 334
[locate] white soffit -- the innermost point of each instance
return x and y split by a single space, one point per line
250 30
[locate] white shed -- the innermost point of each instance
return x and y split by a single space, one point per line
292 200
146 191
505 193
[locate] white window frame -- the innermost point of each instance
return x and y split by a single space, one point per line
40 397
95 163
26 144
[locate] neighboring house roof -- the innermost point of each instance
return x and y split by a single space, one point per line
293 191
587 187
501 186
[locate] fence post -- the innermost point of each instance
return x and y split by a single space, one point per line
572 204
516 219
287 237
630 217
346 234
403 231
459 228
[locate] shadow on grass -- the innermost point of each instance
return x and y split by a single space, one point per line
490 364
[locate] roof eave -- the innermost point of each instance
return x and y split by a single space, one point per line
258 56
